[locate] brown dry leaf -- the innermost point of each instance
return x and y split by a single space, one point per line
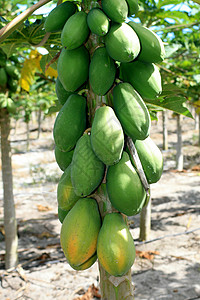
45 234
43 208
147 254
90 294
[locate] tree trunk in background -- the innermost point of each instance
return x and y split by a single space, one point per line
165 133
179 154
39 122
199 131
196 121
10 223
145 222
112 288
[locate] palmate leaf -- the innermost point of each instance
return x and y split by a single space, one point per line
175 103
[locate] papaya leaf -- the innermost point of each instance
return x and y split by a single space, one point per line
55 108
175 103
162 3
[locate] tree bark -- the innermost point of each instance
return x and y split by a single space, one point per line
10 223
165 132
179 154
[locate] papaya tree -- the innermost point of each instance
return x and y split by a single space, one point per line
98 74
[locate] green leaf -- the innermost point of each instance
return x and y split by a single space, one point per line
162 3
175 103
55 108
171 49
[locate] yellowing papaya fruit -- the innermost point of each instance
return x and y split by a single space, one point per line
66 196
70 123
115 245
61 93
116 10
133 7
144 77
125 190
98 22
151 159
87 170
57 18
73 68
102 71
63 159
79 231
75 31
122 44
152 47
107 136
131 111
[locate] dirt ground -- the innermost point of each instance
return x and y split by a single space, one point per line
167 266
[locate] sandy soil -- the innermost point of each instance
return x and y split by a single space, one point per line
167 266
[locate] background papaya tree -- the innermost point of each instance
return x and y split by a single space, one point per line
172 98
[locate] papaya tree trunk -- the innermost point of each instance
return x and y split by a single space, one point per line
179 154
145 222
10 223
112 288
165 132
39 122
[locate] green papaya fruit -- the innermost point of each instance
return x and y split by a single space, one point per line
76 31
70 123
66 196
11 106
87 264
152 47
87 170
144 77
102 71
61 93
107 136
73 68
12 71
79 232
122 44
12 84
125 190
131 111
14 58
116 10
133 7
57 18
63 159
151 159
62 214
3 77
3 58
98 22
115 245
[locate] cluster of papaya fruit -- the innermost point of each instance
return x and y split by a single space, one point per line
9 73
121 65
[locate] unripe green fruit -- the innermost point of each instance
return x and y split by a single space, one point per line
63 159
3 77
116 10
61 93
98 22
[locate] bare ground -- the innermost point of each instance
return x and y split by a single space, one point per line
167 266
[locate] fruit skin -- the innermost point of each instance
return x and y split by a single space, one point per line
122 44
66 196
116 10
87 264
152 47
61 93
125 190
73 68
12 84
133 7
87 170
12 71
79 231
98 22
63 159
70 123
131 111
62 214
151 159
58 16
75 31
115 245
107 136
3 77
144 77
102 71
